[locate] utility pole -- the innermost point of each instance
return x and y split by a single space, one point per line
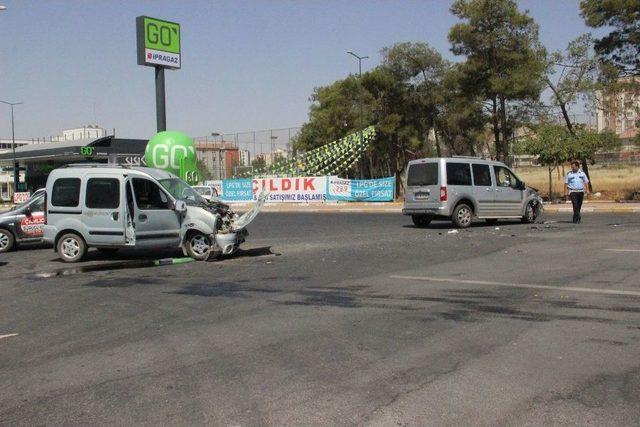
161 109
16 168
360 58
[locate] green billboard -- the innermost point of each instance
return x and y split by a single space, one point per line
158 42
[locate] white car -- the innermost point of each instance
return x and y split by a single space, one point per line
207 192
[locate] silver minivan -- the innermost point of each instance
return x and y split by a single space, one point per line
111 207
464 188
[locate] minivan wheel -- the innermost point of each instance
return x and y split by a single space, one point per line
529 214
6 240
71 247
199 246
462 216
421 220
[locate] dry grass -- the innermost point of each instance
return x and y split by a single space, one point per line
612 182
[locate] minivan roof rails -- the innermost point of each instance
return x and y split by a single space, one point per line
95 165
470 157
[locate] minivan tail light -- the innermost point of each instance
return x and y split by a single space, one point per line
443 194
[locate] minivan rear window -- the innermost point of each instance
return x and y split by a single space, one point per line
66 192
458 174
103 193
422 174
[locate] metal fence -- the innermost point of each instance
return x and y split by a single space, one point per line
266 143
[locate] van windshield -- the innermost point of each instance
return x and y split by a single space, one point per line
180 190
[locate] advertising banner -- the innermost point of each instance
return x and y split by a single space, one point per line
21 197
32 225
308 189
296 190
237 190
365 190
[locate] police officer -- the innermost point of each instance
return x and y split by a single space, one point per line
576 184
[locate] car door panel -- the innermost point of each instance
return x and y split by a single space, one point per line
155 223
508 199
29 220
483 189
103 209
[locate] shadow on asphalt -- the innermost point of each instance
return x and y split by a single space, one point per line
459 305
449 226
250 253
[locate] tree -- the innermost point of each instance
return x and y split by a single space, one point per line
554 145
577 70
203 171
460 120
259 162
621 47
504 59
421 68
551 144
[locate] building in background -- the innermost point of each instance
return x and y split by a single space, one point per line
620 113
220 158
245 158
6 174
83 132
273 156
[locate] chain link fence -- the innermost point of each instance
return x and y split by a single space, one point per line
266 144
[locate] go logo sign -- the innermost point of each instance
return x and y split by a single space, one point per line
174 152
158 42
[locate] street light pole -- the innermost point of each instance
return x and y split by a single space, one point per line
16 169
360 58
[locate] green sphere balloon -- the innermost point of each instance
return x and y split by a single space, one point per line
174 152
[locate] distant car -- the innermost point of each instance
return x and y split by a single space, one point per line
207 192
23 223
463 188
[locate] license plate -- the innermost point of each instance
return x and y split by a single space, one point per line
421 196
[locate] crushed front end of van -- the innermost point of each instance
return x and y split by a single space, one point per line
227 229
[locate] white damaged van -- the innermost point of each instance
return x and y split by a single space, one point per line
110 207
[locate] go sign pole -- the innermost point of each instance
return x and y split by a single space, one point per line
159 47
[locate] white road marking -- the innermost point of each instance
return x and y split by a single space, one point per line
623 250
8 336
521 285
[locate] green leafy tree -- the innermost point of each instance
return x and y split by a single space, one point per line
571 74
621 47
259 162
504 59
554 145
203 171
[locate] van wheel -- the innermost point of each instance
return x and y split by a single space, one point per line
462 216
529 214
71 247
421 220
6 240
199 246
491 221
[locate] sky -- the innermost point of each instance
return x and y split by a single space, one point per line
246 64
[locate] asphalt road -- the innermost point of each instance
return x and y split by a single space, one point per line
334 319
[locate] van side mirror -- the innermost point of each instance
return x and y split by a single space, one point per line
522 185
180 206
